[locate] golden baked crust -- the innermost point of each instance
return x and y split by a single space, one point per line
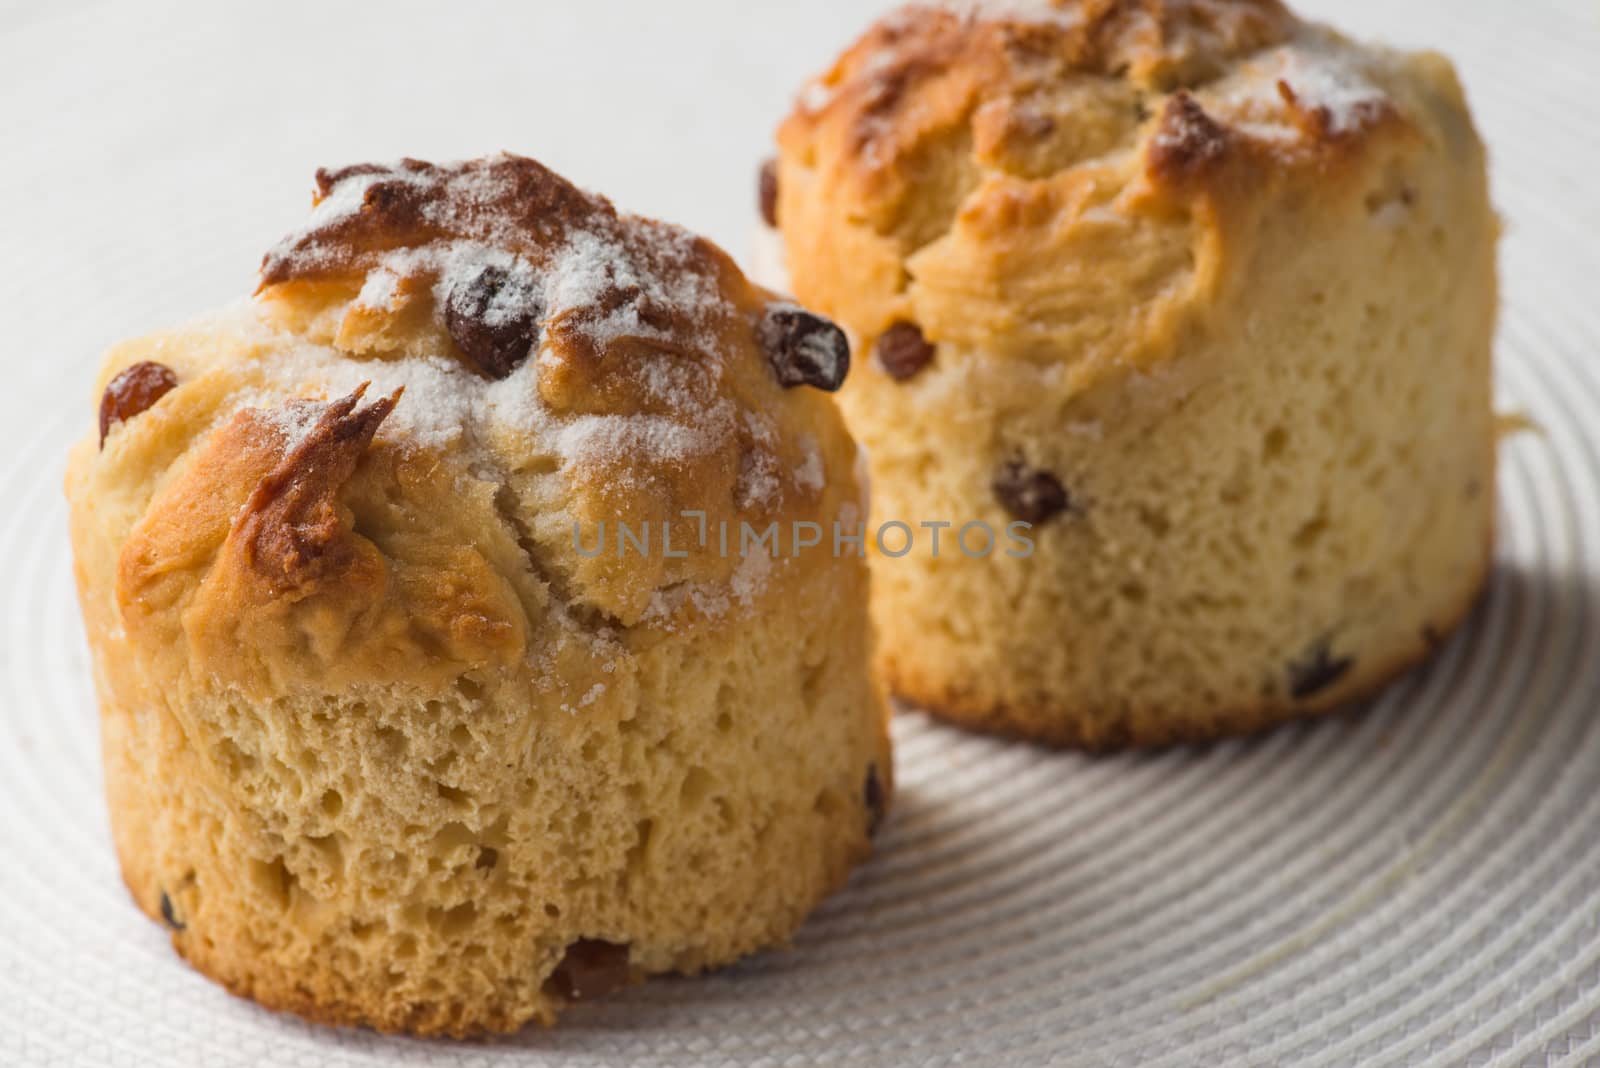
1218 287
386 741
1089 728
1041 169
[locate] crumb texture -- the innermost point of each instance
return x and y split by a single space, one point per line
1204 292
383 745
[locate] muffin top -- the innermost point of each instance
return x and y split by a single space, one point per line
973 156
1043 85
450 377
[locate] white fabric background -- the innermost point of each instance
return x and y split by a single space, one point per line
1419 884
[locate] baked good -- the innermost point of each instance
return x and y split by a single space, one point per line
388 739
1203 293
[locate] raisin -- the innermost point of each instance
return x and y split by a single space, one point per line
133 391
1317 670
903 351
804 349
767 188
1030 495
872 796
494 318
169 916
590 969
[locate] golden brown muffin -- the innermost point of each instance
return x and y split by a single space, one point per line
1203 293
397 730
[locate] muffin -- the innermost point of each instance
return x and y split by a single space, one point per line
430 700
1188 307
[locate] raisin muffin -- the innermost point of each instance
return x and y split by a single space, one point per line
1200 293
400 728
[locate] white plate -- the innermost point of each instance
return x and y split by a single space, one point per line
1419 883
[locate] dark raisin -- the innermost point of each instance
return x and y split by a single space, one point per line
903 351
590 969
1030 495
872 796
133 391
494 318
1317 670
804 349
768 189
168 915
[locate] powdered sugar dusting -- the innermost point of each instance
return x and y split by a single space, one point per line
604 438
1322 73
589 265
603 276
758 486
445 406
751 577
557 251
816 95
475 195
380 289
603 299
343 202
750 580
295 420
677 384
435 412
809 475
1338 88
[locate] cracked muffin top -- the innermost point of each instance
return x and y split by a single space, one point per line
401 451
1016 175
